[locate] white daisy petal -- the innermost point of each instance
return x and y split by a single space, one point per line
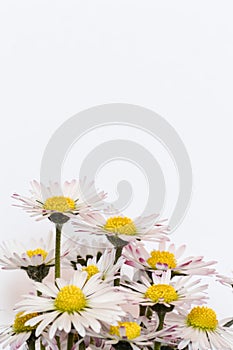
74 302
78 325
200 330
174 293
48 318
17 337
76 197
15 255
165 258
146 228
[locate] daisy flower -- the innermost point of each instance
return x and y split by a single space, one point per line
137 333
163 258
91 246
85 249
105 266
165 291
200 330
80 303
36 257
59 205
18 334
120 229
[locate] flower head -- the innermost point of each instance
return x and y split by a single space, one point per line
106 266
35 257
199 329
81 302
120 229
89 246
166 258
137 333
18 334
59 205
163 290
86 249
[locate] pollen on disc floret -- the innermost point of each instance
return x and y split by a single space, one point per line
122 225
59 203
161 292
132 329
70 299
203 318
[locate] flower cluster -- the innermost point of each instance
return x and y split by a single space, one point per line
120 295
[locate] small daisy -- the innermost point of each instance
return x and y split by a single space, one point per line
120 229
166 258
90 246
35 258
137 333
105 266
18 334
81 303
163 290
59 206
84 249
200 330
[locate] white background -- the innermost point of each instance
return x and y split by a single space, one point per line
174 57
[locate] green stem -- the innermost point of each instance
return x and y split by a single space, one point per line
70 341
117 256
143 310
58 342
58 251
42 347
149 312
161 320
82 346
157 346
31 344
118 253
161 314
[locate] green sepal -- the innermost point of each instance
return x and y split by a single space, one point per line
58 218
122 345
37 273
160 308
116 241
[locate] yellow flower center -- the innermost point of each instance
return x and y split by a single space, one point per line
203 318
161 293
91 270
120 225
59 203
37 251
162 257
19 323
132 329
69 299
